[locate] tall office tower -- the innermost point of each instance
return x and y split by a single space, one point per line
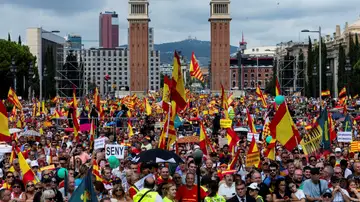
108 30
139 45
220 44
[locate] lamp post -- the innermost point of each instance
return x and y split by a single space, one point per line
348 69
44 78
314 77
13 70
328 76
198 155
320 62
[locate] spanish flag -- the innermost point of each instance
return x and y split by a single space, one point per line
195 71
233 162
74 97
92 133
325 93
98 103
166 94
224 102
203 139
270 150
4 124
342 92
283 129
130 129
261 96
277 87
250 122
233 138
177 84
26 172
147 107
75 124
12 97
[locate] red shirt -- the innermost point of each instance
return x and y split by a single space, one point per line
160 180
184 194
132 191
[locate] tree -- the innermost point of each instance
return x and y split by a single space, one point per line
9 37
310 65
341 68
301 72
22 57
324 63
19 40
161 80
270 85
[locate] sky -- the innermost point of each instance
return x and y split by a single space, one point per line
263 22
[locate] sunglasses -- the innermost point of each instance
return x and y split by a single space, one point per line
16 186
30 185
38 188
10 176
51 199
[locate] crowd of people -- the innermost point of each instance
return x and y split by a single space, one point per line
291 176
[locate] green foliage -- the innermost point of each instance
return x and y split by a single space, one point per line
341 68
161 80
11 50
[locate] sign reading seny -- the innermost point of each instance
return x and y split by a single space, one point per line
115 150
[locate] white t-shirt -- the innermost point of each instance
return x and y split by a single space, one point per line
299 194
338 197
226 191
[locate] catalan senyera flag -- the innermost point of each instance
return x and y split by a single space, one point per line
203 139
130 129
177 84
232 137
12 97
147 107
277 87
172 131
195 70
26 172
250 122
224 102
261 96
232 164
270 150
4 124
325 93
253 154
96 171
283 129
230 99
43 108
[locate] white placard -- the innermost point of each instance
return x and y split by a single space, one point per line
115 150
99 143
250 135
140 184
344 136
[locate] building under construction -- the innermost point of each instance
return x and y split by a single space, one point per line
291 67
70 75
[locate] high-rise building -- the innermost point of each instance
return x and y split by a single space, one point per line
139 45
108 30
73 42
220 44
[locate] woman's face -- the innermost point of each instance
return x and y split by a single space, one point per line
282 185
292 187
172 191
30 187
16 188
352 185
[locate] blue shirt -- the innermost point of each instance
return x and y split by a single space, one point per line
267 180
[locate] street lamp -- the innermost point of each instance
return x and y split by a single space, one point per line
13 69
328 76
44 78
31 74
320 41
348 69
198 155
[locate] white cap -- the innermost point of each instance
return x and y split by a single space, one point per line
196 147
34 163
254 186
1 173
337 149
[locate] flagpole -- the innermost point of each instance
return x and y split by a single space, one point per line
168 122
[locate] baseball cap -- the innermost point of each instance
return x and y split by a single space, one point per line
337 149
34 164
315 171
254 186
328 193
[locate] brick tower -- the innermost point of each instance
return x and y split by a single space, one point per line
220 44
138 45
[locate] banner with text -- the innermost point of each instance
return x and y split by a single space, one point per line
115 150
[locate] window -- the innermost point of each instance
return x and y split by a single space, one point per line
245 75
266 75
259 75
252 75
234 75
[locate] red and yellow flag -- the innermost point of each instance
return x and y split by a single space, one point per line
224 102
166 94
177 85
92 133
283 129
76 125
277 87
26 172
261 96
4 124
96 171
203 139
250 122
195 71
253 154
98 103
147 107
12 97
130 129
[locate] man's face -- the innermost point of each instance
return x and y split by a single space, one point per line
107 174
63 163
192 168
190 180
256 177
307 174
241 190
7 195
209 164
298 175
177 179
291 168
313 161
229 179
273 171
315 177
134 167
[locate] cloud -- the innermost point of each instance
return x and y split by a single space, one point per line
264 22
